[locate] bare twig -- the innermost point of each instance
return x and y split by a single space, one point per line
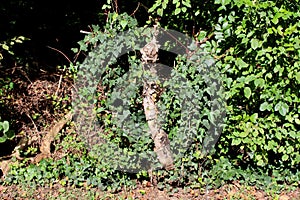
33 123
205 39
60 53
59 83
116 7
76 56
85 32
24 74
144 7
223 55
186 49
135 9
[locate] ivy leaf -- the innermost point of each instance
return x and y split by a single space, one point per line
123 23
247 92
254 43
241 64
211 117
279 137
254 117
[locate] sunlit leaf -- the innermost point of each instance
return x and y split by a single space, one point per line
247 92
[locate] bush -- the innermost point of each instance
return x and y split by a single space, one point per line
259 51
256 47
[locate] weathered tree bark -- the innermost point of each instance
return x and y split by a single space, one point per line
49 137
151 92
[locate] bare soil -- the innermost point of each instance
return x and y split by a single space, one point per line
143 192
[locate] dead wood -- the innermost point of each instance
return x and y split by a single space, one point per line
49 137
151 92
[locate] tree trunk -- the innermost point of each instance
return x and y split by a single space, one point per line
151 92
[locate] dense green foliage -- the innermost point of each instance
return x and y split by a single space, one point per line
262 66
256 46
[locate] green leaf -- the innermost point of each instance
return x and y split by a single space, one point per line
244 133
142 192
22 38
282 107
279 30
298 76
247 92
123 23
177 11
275 20
160 12
3 139
290 150
236 141
201 35
263 106
18 41
5 126
164 4
187 4
285 157
5 47
255 133
10 134
281 148
260 163
254 117
241 64
259 82
150 10
211 117
254 43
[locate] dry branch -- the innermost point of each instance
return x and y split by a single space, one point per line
49 137
152 90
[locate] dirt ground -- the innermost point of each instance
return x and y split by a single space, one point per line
143 192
